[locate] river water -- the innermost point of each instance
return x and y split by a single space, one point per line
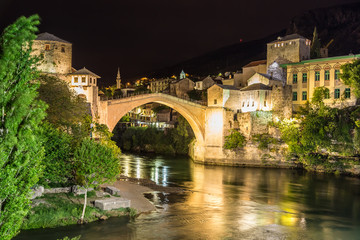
230 203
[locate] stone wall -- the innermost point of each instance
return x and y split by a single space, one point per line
57 56
281 98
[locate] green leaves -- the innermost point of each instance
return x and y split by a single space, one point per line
234 140
351 76
21 149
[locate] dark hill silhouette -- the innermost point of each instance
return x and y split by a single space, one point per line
340 23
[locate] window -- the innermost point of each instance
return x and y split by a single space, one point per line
337 93
327 94
295 78
76 80
337 72
304 77
243 104
327 75
215 101
304 95
317 76
83 80
253 104
62 49
264 103
347 92
294 96
90 80
47 47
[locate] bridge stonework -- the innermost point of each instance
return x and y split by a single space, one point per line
206 122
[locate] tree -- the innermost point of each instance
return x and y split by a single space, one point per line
351 76
315 45
65 106
95 164
58 164
21 149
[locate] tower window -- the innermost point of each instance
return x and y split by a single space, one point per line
347 92
63 49
327 94
317 76
337 72
327 75
337 93
304 77
294 96
304 95
295 76
47 47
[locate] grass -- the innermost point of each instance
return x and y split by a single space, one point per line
61 209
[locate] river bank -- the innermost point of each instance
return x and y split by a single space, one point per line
63 209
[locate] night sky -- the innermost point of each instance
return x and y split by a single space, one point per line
143 35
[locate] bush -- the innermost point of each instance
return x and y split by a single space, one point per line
234 140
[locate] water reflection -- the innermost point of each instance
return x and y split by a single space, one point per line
236 203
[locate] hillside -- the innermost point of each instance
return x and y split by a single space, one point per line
340 23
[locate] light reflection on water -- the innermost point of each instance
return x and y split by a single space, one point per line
232 203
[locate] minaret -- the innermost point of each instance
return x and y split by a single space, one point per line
118 79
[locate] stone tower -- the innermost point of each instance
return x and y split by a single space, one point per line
291 48
56 54
118 79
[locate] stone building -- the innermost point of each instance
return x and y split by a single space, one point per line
84 82
204 84
305 76
160 85
180 87
290 48
56 54
224 96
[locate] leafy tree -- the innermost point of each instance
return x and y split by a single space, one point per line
315 45
95 164
234 140
65 106
351 76
21 150
58 164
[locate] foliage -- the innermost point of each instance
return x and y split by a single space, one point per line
65 106
96 164
125 119
264 140
74 238
20 144
351 76
321 131
234 140
58 165
315 45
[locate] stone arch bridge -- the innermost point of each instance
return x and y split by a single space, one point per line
206 122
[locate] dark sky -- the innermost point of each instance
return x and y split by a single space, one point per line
142 35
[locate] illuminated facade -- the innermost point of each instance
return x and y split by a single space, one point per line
305 76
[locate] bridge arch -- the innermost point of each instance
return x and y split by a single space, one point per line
192 112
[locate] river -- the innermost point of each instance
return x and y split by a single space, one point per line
230 203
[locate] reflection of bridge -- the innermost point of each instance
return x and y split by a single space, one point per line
206 122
